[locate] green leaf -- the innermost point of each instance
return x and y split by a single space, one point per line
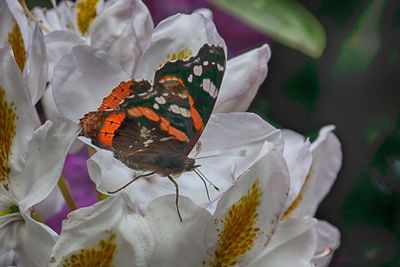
361 46
286 21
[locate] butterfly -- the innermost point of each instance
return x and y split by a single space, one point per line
153 126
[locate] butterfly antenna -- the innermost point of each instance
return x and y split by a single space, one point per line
134 179
204 182
205 178
176 196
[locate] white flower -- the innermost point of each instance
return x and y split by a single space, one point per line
121 28
313 168
31 162
109 233
27 44
83 78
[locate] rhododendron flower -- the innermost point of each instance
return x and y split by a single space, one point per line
30 166
83 78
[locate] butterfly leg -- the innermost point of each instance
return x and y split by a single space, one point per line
176 196
134 179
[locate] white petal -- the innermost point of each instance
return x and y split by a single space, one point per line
178 243
9 226
6 21
58 44
49 106
123 30
49 18
107 172
51 205
175 34
264 187
288 230
82 79
327 160
29 253
21 19
243 77
36 68
7 200
297 251
49 148
298 158
328 240
17 93
112 220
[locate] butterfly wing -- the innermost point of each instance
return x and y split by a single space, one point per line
196 84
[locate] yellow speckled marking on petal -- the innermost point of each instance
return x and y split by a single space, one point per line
85 14
298 199
181 54
17 44
100 255
8 127
239 232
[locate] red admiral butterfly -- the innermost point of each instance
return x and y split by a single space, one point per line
153 127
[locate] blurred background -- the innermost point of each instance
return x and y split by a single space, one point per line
333 62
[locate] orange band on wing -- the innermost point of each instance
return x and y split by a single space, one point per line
110 125
196 118
118 94
172 77
165 125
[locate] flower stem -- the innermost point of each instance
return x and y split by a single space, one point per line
67 194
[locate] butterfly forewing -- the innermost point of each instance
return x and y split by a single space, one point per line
200 77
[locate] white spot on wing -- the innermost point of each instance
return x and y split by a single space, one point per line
182 95
220 68
190 78
205 63
197 70
156 106
185 112
160 100
175 109
210 88
164 139
148 142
